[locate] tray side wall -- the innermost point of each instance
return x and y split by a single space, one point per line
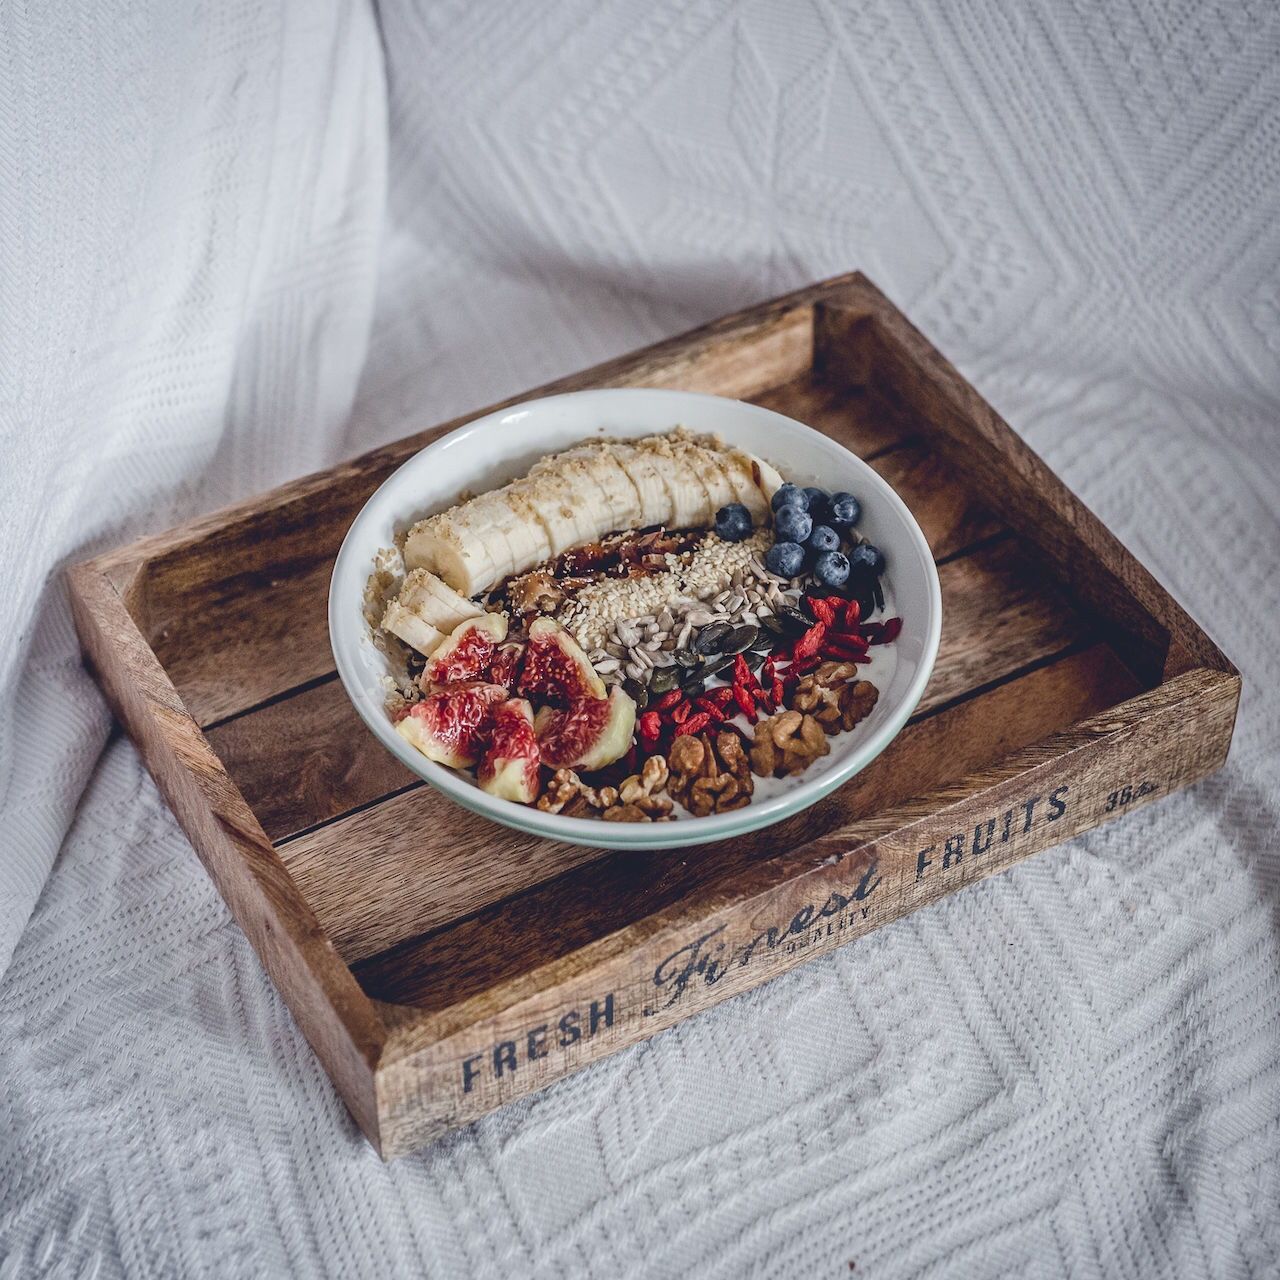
336 1017
448 1069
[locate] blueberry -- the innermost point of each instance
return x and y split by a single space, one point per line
788 494
819 504
870 557
792 523
831 568
733 522
823 538
845 510
786 559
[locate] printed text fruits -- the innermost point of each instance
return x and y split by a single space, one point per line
452 726
555 670
510 766
587 734
467 651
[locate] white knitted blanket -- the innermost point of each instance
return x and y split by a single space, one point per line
1069 1069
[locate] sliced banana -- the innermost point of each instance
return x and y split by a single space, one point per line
578 496
550 499
655 501
715 480
435 602
740 472
690 502
620 493
451 546
411 628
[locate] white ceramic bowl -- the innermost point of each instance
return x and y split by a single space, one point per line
494 449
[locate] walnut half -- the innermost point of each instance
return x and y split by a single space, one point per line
787 743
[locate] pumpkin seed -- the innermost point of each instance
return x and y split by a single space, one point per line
740 638
713 666
663 680
687 658
636 692
772 623
691 687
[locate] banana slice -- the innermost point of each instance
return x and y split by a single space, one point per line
715 480
411 628
578 496
435 602
620 494
551 499
690 502
655 501
738 468
451 546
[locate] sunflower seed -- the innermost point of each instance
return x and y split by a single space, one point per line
615 650
682 639
698 617
606 665
740 638
643 658
665 620
663 659
714 665
634 670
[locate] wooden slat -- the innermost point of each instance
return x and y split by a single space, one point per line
862 338
564 914
415 861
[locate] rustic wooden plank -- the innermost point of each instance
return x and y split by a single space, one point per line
415 861
331 1010
572 910
862 337
446 1068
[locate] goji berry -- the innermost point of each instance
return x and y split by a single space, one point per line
668 700
777 692
805 664
681 711
694 724
810 642
852 613
821 609
722 695
745 700
650 724
741 672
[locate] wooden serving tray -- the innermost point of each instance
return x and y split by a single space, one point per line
440 965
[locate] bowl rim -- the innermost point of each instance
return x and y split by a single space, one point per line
346 624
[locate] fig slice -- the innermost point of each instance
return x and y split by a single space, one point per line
467 650
510 766
452 725
505 665
556 671
587 734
